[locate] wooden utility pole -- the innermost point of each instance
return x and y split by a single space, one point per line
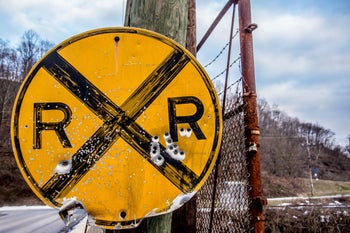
174 19
184 219
251 116
167 17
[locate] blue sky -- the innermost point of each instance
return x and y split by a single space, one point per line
301 47
302 54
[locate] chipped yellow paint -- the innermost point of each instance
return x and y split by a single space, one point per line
109 91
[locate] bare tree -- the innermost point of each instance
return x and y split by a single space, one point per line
347 147
14 66
28 51
8 91
45 46
8 61
282 140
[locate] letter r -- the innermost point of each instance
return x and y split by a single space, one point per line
58 127
174 120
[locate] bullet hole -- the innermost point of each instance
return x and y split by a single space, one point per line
63 167
122 214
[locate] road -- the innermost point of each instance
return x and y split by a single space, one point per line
43 219
38 219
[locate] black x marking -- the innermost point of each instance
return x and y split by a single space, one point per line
118 122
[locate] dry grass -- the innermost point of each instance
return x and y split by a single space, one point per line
275 186
307 220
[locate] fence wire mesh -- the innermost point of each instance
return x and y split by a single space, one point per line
223 201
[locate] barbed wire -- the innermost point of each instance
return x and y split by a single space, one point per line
222 50
222 72
231 85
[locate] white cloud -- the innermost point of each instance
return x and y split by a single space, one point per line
289 29
206 14
320 102
302 64
58 20
302 44
296 99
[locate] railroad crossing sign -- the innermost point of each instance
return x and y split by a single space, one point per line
122 120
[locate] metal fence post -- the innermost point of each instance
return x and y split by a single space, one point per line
251 116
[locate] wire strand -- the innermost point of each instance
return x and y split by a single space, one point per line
222 50
222 72
231 85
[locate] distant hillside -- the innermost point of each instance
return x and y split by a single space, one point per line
13 189
291 149
8 92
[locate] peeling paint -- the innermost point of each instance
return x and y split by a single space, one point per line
180 200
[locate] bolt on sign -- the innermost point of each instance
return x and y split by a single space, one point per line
123 120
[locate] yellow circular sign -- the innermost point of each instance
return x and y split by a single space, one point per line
122 120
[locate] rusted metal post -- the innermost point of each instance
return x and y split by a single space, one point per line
251 116
218 161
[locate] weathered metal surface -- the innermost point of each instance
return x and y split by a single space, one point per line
251 117
122 120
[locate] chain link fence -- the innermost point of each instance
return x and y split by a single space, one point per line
223 201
